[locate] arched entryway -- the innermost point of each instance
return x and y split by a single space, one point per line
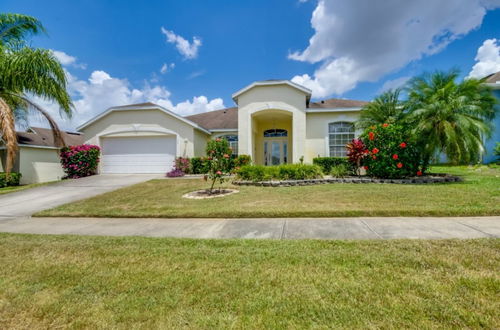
272 137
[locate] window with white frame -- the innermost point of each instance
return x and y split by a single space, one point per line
339 134
233 142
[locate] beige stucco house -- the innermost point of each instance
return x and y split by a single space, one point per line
38 156
274 122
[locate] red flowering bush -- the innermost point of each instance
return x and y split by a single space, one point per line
80 161
219 161
391 152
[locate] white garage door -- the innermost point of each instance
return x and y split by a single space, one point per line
138 154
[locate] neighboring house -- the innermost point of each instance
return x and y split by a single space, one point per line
493 81
274 122
38 156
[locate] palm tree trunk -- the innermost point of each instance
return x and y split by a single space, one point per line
9 136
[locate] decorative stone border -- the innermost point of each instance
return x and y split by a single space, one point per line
196 194
435 178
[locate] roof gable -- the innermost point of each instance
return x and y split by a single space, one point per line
141 106
272 82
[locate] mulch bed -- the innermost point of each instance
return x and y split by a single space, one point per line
202 194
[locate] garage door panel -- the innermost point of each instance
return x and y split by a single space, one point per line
138 154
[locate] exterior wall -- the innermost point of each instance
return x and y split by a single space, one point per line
39 165
3 161
146 123
491 142
200 143
274 97
317 143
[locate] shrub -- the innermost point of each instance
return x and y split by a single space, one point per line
219 161
80 161
356 151
183 164
279 172
339 171
242 160
12 179
199 165
391 152
326 163
496 151
175 173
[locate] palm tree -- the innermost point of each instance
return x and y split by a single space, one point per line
385 108
26 71
450 118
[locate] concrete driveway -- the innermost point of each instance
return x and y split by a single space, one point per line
29 201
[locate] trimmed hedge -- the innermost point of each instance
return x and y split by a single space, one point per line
279 172
9 180
326 163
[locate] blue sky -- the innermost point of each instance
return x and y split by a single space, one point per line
114 50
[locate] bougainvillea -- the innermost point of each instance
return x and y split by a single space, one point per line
218 160
392 152
80 161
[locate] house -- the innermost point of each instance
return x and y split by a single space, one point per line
493 81
274 122
38 156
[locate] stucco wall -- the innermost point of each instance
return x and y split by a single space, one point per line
317 131
274 97
144 123
200 143
39 165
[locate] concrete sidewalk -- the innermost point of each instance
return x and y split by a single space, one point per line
294 228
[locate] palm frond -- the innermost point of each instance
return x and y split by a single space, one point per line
17 27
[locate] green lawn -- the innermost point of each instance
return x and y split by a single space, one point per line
100 282
479 194
6 190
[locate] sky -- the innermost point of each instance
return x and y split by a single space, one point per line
190 56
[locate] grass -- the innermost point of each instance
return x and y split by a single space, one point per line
100 282
11 189
479 194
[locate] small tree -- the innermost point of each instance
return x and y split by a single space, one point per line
219 161
356 151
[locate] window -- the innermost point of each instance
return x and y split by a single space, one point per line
276 133
233 142
339 134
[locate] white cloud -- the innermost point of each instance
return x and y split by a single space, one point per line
68 60
364 40
394 83
188 50
487 58
167 67
101 91
199 104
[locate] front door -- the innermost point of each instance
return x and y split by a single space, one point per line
275 151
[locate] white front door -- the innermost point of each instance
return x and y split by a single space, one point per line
138 154
275 151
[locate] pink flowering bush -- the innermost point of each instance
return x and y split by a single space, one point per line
80 161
